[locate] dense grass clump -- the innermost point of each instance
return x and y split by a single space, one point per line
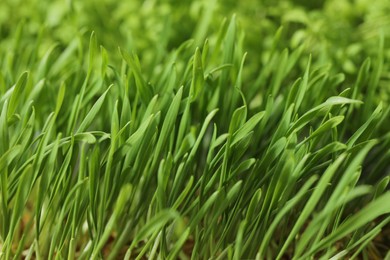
163 130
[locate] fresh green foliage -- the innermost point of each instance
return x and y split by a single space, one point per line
194 129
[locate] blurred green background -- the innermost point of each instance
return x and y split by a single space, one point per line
339 34
339 31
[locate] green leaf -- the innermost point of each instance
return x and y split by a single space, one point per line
168 125
16 97
312 202
119 206
155 223
145 90
197 82
373 210
90 117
